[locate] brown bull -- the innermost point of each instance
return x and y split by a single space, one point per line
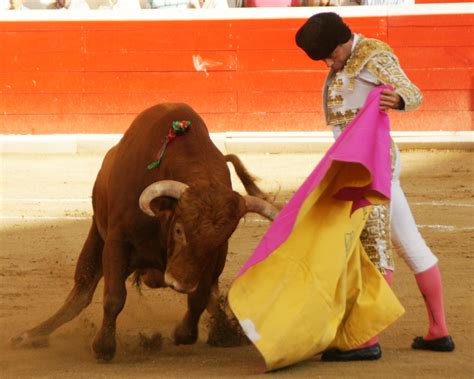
169 225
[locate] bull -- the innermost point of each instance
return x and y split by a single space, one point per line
168 225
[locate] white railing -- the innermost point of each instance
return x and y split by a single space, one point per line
234 13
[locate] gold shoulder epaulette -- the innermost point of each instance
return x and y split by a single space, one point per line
365 49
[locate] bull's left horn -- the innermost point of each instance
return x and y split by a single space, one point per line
170 188
260 206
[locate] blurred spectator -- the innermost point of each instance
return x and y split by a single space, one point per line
270 3
118 4
72 4
13 4
324 3
382 2
235 3
121 4
207 4
163 4
126 4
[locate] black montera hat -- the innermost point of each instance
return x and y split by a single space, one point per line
321 34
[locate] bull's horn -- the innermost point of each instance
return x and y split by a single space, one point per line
260 206
170 188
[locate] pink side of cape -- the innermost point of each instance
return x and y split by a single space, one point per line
366 140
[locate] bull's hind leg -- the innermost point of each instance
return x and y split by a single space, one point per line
87 275
115 262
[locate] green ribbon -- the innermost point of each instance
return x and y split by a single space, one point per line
177 128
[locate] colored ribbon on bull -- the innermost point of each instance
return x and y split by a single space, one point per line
177 128
309 285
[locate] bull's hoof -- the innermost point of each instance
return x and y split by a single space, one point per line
103 356
103 351
185 335
25 340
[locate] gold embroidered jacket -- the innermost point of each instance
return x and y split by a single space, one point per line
372 63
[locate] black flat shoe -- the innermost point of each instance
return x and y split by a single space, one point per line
439 344
370 353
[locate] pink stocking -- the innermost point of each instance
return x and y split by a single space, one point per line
388 275
429 283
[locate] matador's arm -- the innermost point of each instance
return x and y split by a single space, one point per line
387 69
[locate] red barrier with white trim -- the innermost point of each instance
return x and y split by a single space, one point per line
67 72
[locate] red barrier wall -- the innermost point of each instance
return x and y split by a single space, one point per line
95 76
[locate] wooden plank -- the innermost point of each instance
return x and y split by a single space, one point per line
41 61
116 82
433 79
222 122
219 102
410 57
57 123
44 41
435 57
41 82
152 82
280 80
158 36
434 120
168 61
279 101
266 60
41 26
378 22
446 79
250 35
429 36
198 82
134 103
432 19
265 122
448 100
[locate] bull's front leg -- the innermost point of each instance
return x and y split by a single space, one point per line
187 331
115 262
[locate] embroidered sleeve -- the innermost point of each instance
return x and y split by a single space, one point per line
387 69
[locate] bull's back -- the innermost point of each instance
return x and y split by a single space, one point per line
142 142
190 155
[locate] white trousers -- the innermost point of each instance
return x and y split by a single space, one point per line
406 239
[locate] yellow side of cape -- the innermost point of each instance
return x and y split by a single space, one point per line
318 289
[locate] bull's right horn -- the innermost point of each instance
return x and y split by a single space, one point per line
170 188
261 206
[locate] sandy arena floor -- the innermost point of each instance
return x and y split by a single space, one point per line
45 215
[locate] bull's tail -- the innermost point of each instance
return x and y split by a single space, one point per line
247 179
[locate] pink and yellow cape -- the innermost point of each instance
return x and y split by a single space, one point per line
309 285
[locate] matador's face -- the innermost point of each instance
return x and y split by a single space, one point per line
338 58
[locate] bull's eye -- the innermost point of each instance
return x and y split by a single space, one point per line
179 233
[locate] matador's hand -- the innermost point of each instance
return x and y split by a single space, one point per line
390 100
